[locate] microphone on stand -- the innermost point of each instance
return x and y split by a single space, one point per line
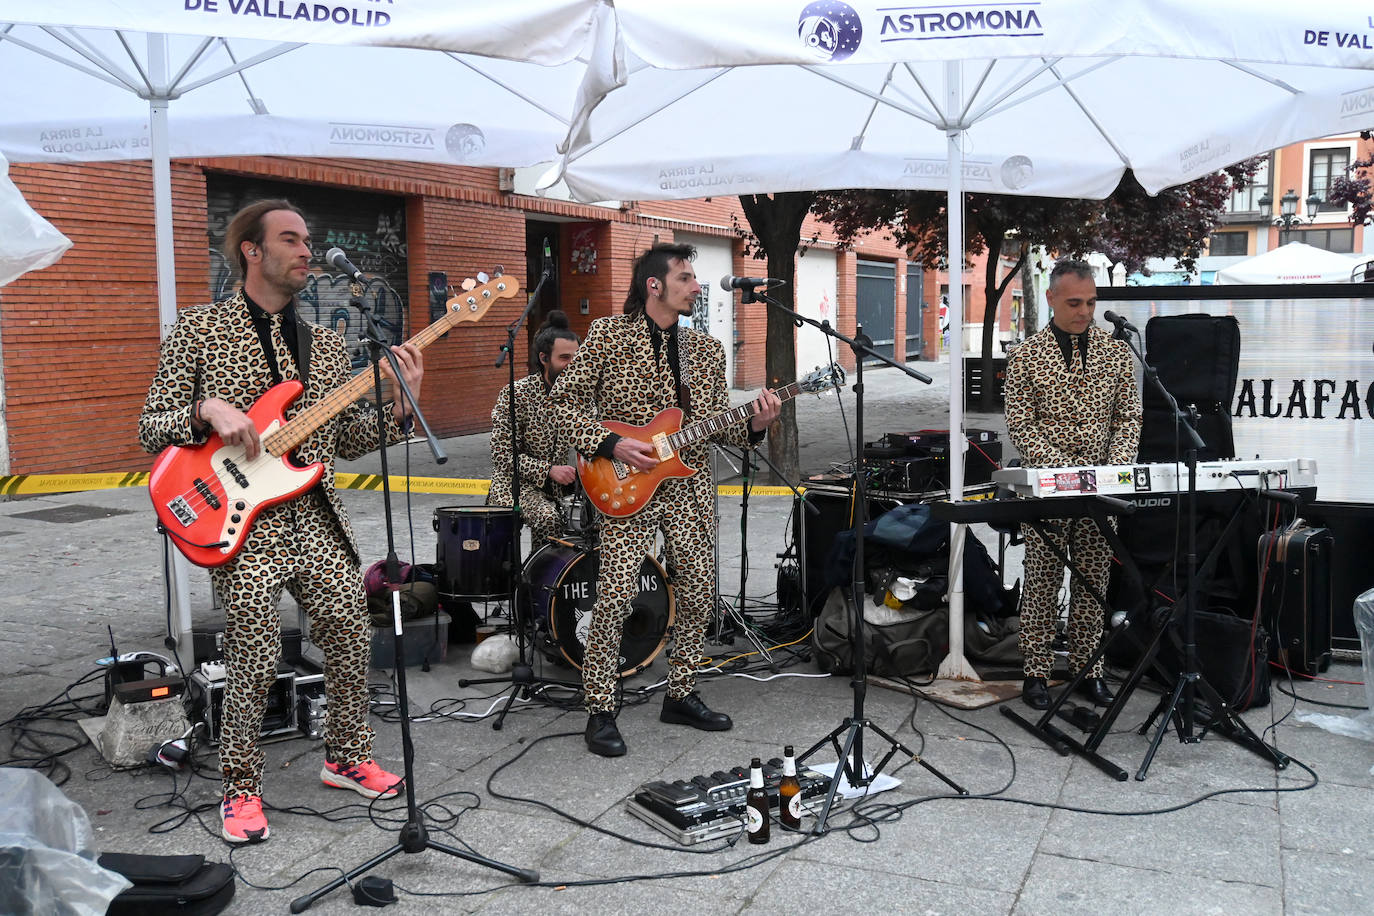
336 258
729 282
1122 325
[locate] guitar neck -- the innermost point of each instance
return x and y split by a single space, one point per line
702 429
318 414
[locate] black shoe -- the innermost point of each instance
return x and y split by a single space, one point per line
1035 693
602 735
1095 689
690 710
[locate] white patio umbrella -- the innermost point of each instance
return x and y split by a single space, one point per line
1048 98
476 83
1295 262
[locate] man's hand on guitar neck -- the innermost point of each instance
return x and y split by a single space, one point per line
767 406
412 365
636 454
232 425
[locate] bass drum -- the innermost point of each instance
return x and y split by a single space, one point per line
562 581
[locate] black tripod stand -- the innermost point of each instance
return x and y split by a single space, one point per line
522 679
850 753
1179 707
414 836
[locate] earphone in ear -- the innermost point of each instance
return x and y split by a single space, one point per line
653 285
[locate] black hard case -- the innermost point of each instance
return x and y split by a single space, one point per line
1295 596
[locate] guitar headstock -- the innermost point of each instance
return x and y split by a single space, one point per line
472 303
822 378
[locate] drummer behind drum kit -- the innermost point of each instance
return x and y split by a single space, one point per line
474 554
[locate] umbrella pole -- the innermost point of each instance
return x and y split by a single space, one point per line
954 664
175 567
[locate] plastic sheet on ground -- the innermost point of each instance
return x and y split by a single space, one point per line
1362 725
47 861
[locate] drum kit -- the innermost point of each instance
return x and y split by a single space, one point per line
473 562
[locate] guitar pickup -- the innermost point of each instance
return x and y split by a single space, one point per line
207 494
182 510
662 446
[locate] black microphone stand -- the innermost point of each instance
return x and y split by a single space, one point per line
522 678
736 612
1179 706
850 759
414 836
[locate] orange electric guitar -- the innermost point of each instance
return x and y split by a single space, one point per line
619 490
207 496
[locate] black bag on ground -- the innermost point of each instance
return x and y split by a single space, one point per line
1236 665
910 647
182 885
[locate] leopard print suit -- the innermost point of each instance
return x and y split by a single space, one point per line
616 370
304 545
1060 416
541 444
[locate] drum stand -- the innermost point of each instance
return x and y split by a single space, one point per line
414 837
522 678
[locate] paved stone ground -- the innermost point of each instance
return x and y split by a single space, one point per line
1213 829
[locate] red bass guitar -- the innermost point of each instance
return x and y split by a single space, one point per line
619 490
207 496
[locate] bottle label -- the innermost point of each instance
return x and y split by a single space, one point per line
754 819
794 807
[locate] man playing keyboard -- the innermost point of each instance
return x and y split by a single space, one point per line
1071 400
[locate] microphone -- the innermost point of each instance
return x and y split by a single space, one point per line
1121 323
729 282
336 258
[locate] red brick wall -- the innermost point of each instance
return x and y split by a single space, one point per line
80 338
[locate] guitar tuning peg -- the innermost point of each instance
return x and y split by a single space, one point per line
469 285
482 276
498 271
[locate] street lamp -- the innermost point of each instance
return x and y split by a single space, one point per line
1288 216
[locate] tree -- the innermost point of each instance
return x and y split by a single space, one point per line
1128 227
1355 190
776 221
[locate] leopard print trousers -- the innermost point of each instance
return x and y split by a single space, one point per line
305 556
688 526
1080 540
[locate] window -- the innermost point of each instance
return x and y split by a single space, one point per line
1341 241
1246 199
1325 166
1227 244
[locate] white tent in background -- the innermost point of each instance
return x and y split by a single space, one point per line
1291 263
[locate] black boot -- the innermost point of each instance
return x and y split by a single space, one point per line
690 710
1095 689
1035 693
602 735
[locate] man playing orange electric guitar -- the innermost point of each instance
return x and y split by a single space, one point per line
215 363
631 367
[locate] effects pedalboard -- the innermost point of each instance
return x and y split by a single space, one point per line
704 808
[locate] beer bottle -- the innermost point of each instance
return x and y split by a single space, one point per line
789 792
756 805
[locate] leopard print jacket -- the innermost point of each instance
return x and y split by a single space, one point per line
541 442
615 373
1062 417
213 351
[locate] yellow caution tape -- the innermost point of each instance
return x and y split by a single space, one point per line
28 484
31 484
455 485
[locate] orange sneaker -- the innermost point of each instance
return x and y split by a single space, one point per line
243 819
366 778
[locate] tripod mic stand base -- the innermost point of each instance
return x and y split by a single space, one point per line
414 838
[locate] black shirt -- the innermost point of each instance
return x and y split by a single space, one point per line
262 323
1065 340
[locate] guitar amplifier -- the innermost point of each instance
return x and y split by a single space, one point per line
984 453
